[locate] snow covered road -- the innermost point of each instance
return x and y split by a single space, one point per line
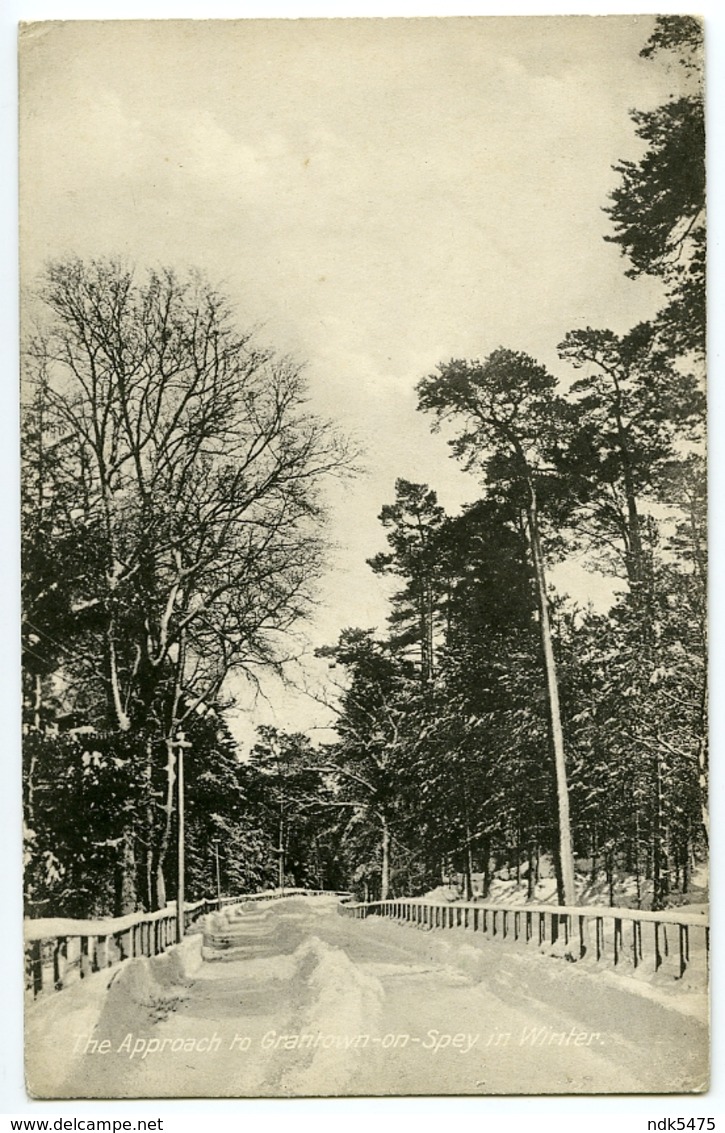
299 1001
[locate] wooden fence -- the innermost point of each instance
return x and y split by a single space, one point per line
669 941
59 951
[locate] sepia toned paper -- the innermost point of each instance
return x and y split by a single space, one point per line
372 198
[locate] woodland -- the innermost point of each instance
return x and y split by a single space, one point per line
173 533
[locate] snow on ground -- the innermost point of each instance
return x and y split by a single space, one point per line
295 1000
506 890
58 1027
461 950
345 1000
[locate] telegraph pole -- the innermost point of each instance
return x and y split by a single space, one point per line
180 743
218 876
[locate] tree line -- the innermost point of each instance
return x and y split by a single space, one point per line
173 479
497 720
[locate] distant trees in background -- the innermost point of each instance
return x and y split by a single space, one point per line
297 808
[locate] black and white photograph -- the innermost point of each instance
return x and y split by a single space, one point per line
364 557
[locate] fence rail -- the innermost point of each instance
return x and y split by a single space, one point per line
59 951
669 941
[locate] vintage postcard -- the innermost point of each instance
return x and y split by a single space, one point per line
364 557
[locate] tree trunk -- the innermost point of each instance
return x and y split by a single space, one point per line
486 844
702 765
318 865
168 810
37 702
660 864
634 552
171 771
609 866
159 882
566 887
467 869
637 861
467 860
557 873
125 877
120 716
180 843
280 856
385 862
431 643
149 864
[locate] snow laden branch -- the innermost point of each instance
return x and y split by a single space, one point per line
176 473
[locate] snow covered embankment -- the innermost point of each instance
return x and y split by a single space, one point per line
107 1005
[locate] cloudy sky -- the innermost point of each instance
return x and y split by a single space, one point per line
376 196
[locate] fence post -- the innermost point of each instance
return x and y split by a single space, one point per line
599 932
583 936
636 943
60 961
617 940
36 966
684 949
658 953
86 964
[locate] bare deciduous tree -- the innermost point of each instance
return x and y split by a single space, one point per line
190 476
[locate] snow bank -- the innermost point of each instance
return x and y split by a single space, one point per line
144 978
475 955
246 914
216 922
506 890
345 1001
62 1028
51 1027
